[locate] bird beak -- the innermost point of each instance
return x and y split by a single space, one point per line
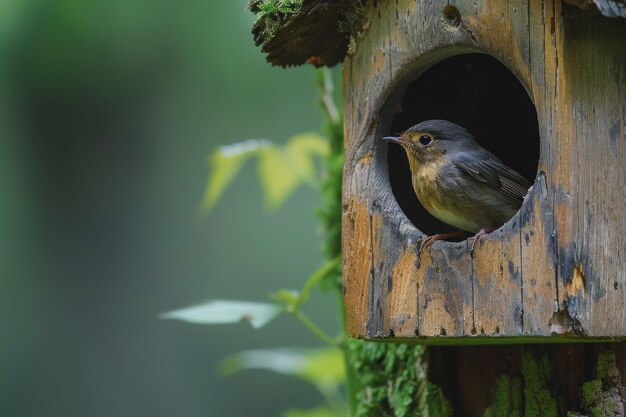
393 139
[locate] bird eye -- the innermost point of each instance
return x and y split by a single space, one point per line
426 140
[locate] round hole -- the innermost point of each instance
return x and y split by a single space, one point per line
452 16
479 93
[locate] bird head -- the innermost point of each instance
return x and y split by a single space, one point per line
429 141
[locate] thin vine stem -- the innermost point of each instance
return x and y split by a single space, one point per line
315 329
332 221
326 87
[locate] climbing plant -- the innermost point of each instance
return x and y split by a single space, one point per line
391 377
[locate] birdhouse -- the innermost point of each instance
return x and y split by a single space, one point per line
542 85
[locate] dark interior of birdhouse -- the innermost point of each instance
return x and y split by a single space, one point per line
481 94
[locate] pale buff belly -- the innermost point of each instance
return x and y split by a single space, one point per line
452 215
455 205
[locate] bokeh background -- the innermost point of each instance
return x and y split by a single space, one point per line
108 111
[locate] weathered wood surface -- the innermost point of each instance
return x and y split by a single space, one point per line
557 270
319 32
311 36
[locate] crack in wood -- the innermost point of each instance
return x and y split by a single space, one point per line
521 267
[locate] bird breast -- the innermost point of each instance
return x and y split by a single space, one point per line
444 195
431 193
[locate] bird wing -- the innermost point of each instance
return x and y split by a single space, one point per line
488 169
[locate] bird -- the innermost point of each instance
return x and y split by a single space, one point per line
458 181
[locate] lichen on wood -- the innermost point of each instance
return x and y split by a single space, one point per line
603 396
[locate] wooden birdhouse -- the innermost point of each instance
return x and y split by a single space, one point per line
542 85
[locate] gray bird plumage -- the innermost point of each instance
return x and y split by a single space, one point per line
457 180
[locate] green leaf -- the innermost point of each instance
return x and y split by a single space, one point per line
322 367
278 176
227 311
226 162
282 361
281 170
315 412
302 150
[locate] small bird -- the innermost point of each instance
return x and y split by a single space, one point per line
458 181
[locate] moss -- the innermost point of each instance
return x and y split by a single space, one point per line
330 212
591 393
394 383
601 397
597 402
301 19
502 340
271 15
434 404
606 369
538 400
507 398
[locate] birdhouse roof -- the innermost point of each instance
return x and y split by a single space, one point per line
318 32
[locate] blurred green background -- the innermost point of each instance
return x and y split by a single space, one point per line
108 111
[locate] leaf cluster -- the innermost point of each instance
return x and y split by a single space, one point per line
324 367
281 169
380 379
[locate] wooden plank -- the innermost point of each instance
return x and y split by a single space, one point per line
592 248
498 296
537 237
357 268
538 267
401 305
445 279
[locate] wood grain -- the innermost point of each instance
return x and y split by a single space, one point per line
556 271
